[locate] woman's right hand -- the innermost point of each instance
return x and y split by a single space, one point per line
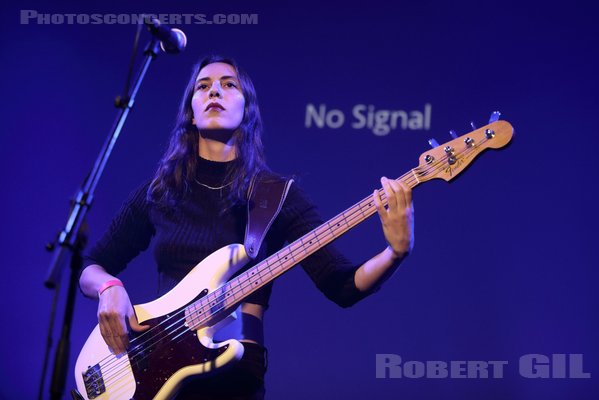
114 310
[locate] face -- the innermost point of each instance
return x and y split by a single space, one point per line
217 101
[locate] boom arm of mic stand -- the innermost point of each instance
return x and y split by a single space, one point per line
66 239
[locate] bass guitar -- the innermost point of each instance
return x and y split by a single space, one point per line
178 345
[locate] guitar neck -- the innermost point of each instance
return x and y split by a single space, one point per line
444 162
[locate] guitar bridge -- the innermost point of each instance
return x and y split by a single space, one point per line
94 382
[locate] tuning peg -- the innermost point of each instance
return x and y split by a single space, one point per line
494 116
453 134
472 125
433 143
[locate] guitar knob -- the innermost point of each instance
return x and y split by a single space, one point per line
453 134
494 116
433 143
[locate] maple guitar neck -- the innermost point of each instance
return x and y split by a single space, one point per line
443 162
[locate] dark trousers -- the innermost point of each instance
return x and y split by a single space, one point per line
243 381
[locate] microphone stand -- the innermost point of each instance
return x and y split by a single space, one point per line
72 239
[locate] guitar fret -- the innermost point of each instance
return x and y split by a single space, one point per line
229 289
322 232
268 266
243 279
361 207
350 213
278 266
261 270
330 230
316 238
296 249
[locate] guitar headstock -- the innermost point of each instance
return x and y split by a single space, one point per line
450 159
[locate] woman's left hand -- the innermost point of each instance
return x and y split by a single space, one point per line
398 217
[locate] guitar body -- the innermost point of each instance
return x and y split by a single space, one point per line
160 359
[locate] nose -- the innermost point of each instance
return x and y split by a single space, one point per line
215 90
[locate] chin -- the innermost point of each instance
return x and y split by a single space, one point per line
219 125
216 127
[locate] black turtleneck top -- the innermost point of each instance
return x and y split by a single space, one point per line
195 228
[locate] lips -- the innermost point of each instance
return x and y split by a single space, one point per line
214 105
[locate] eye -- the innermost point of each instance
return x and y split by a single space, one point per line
230 84
202 86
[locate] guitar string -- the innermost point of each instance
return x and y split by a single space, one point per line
290 253
410 179
240 288
114 376
245 286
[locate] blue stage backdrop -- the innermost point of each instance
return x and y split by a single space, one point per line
498 299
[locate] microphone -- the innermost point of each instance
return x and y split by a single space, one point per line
172 40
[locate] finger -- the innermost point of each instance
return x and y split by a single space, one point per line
378 202
391 197
123 335
118 328
398 188
134 324
408 193
106 332
123 342
110 336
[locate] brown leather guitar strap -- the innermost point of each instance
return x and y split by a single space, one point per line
267 193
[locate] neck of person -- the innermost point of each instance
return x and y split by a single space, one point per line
219 146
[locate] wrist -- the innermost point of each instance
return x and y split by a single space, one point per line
396 255
108 284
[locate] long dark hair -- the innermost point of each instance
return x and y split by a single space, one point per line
177 168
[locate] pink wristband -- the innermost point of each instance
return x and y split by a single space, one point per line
109 283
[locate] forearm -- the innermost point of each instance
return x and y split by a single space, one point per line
397 220
378 269
92 278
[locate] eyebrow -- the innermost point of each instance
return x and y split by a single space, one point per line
221 78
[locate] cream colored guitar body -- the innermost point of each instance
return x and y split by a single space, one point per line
154 366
